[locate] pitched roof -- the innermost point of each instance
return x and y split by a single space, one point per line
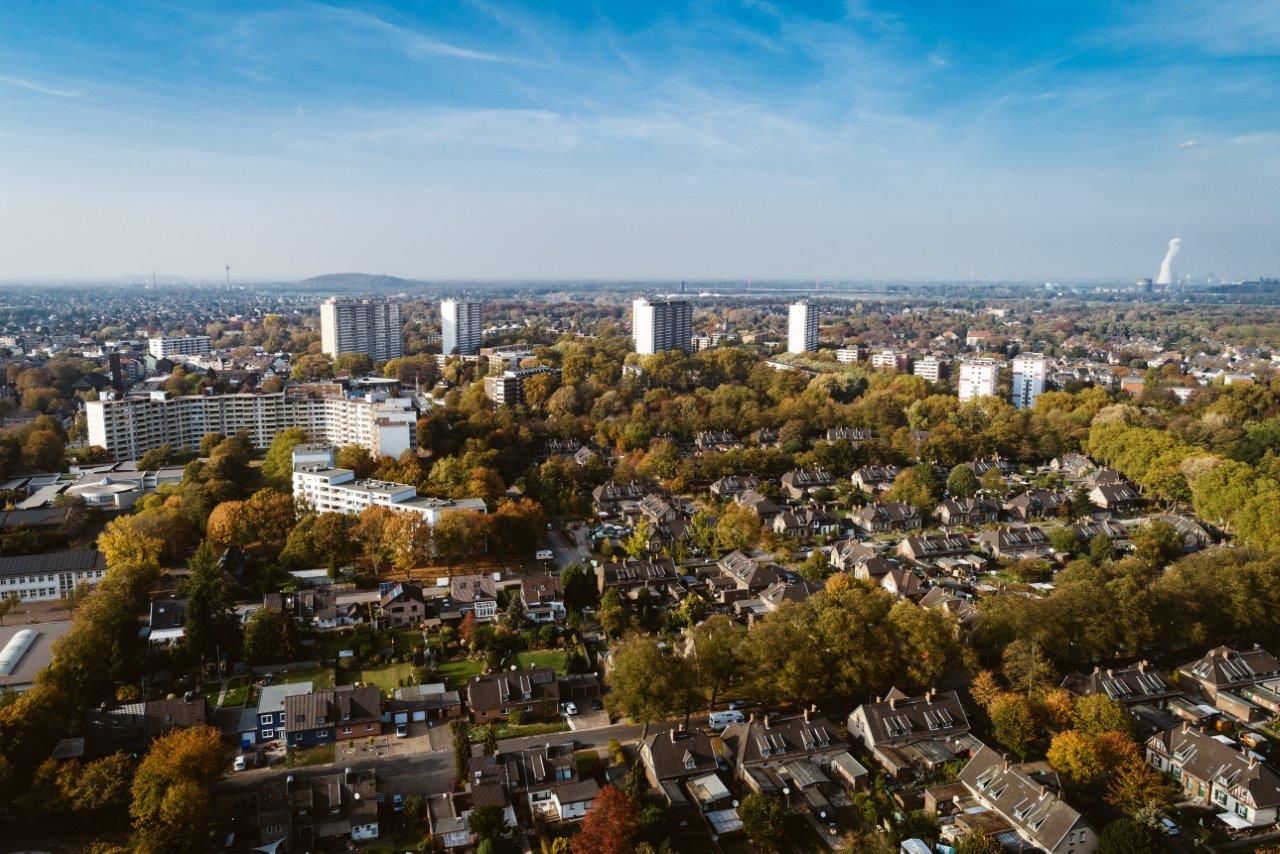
899 719
330 707
773 739
1037 812
1207 758
1224 666
514 687
71 560
679 753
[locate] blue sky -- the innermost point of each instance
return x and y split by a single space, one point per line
479 139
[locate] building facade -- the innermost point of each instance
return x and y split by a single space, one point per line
460 331
802 328
325 489
929 368
132 426
661 325
1028 380
508 387
370 326
977 379
164 346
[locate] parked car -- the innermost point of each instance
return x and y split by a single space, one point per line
738 705
1168 827
241 763
568 709
402 730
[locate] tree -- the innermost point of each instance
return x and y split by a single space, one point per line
1101 549
513 616
459 533
1156 543
738 528
43 450
716 655
1013 723
608 826
1076 757
227 525
277 465
978 843
612 614
172 791
518 527
763 820
962 482
270 637
1138 790
915 486
636 545
646 683
8 602
816 566
1126 836
356 458
208 608
1065 540
1098 713
355 364
314 366
156 458
489 824
461 748
127 542
579 587
407 539
1025 667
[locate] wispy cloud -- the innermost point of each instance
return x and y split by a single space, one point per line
1190 143
32 86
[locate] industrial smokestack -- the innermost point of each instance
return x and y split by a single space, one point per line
1166 266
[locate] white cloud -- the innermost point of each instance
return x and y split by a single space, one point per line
31 86
1190 143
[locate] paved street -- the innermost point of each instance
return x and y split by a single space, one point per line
567 552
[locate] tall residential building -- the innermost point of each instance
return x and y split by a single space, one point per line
508 387
1028 379
370 326
661 325
977 378
164 346
929 368
802 328
893 359
459 327
132 426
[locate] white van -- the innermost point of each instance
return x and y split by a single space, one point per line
720 720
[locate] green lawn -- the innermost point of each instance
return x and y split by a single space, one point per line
387 677
237 693
458 673
543 658
322 754
521 730
320 678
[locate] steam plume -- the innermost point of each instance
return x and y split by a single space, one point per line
1166 266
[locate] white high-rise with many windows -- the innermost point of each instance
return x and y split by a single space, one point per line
370 326
460 331
977 378
661 325
163 346
1029 372
802 328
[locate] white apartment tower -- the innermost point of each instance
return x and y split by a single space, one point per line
977 378
661 325
802 328
459 327
164 346
928 368
370 326
1028 379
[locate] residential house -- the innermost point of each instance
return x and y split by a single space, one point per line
545 777
731 485
1226 671
1020 541
167 622
1039 816
543 598
1137 684
477 594
749 574
798 755
847 554
762 506
315 607
1195 536
316 811
903 732
969 512
331 715
427 702
961 607
930 547
610 496
1090 528
1115 498
806 522
673 756
1037 504
446 823
271 709
1072 466
533 692
1215 771
982 466
131 727
882 517
715 440
629 574
765 437
803 483
848 434
402 605
875 479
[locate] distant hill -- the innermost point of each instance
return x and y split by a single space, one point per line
359 281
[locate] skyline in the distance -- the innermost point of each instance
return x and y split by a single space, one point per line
477 140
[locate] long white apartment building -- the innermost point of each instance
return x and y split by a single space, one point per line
660 325
322 488
370 326
1029 372
164 346
129 427
978 378
802 328
460 330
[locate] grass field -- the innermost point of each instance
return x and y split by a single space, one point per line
543 658
387 677
320 678
521 730
458 673
321 754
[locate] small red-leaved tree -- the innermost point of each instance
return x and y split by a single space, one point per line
608 826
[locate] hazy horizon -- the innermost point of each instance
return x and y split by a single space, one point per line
474 141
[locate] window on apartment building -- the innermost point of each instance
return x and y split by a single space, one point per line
1220 797
268 733
1242 810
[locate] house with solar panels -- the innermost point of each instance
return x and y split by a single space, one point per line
904 733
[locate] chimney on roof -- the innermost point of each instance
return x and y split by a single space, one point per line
673 736
893 702
766 721
1096 669
928 695
1253 761
1186 727
806 715
1007 764
1142 666
1110 673
1044 790
751 718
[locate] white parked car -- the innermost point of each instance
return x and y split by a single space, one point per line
568 708
241 763
402 730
